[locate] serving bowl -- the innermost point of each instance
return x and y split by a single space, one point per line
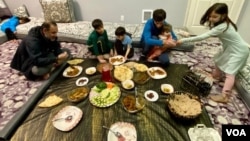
184 105
78 94
129 103
128 84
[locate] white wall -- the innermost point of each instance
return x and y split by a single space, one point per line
243 23
111 10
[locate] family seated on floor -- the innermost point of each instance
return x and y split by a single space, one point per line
39 52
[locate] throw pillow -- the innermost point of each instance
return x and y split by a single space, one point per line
21 11
60 11
4 10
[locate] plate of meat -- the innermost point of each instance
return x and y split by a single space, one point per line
157 73
117 60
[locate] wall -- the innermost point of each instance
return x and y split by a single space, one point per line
243 22
111 10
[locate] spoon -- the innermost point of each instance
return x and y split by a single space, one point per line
137 104
117 134
68 118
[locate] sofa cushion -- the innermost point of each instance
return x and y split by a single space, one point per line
60 11
4 10
21 11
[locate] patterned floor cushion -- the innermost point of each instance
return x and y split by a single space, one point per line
78 32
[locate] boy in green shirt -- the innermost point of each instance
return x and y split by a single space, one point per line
99 43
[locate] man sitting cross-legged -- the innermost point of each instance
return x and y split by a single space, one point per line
39 52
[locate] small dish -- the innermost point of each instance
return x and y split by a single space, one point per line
128 103
82 81
167 88
66 125
128 84
78 94
151 95
90 70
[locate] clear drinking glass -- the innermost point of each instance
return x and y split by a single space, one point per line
106 74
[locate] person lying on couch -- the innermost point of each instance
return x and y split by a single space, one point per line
39 52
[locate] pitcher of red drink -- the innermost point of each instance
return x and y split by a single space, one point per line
106 73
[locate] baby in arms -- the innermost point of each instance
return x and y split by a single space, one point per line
165 35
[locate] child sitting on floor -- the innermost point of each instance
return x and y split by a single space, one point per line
99 43
123 43
165 35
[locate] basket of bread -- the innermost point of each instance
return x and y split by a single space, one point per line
184 105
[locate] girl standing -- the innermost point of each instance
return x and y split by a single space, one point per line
235 50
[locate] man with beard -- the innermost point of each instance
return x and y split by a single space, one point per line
39 52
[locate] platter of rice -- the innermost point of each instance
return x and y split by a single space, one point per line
184 105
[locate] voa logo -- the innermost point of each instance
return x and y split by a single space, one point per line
236 132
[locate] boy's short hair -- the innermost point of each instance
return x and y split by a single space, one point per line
97 23
159 15
120 31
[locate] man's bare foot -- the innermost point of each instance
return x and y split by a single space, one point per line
221 98
46 76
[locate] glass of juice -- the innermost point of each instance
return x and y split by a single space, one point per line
106 73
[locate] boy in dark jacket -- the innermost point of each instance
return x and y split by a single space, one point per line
39 52
99 43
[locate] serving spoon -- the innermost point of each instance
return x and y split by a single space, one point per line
137 104
116 133
68 118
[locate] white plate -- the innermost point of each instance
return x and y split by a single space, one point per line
153 74
69 69
155 95
82 81
116 62
90 70
65 125
127 130
106 97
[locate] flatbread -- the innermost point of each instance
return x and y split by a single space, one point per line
75 61
50 101
123 73
130 64
141 67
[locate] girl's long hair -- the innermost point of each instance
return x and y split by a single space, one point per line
218 8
